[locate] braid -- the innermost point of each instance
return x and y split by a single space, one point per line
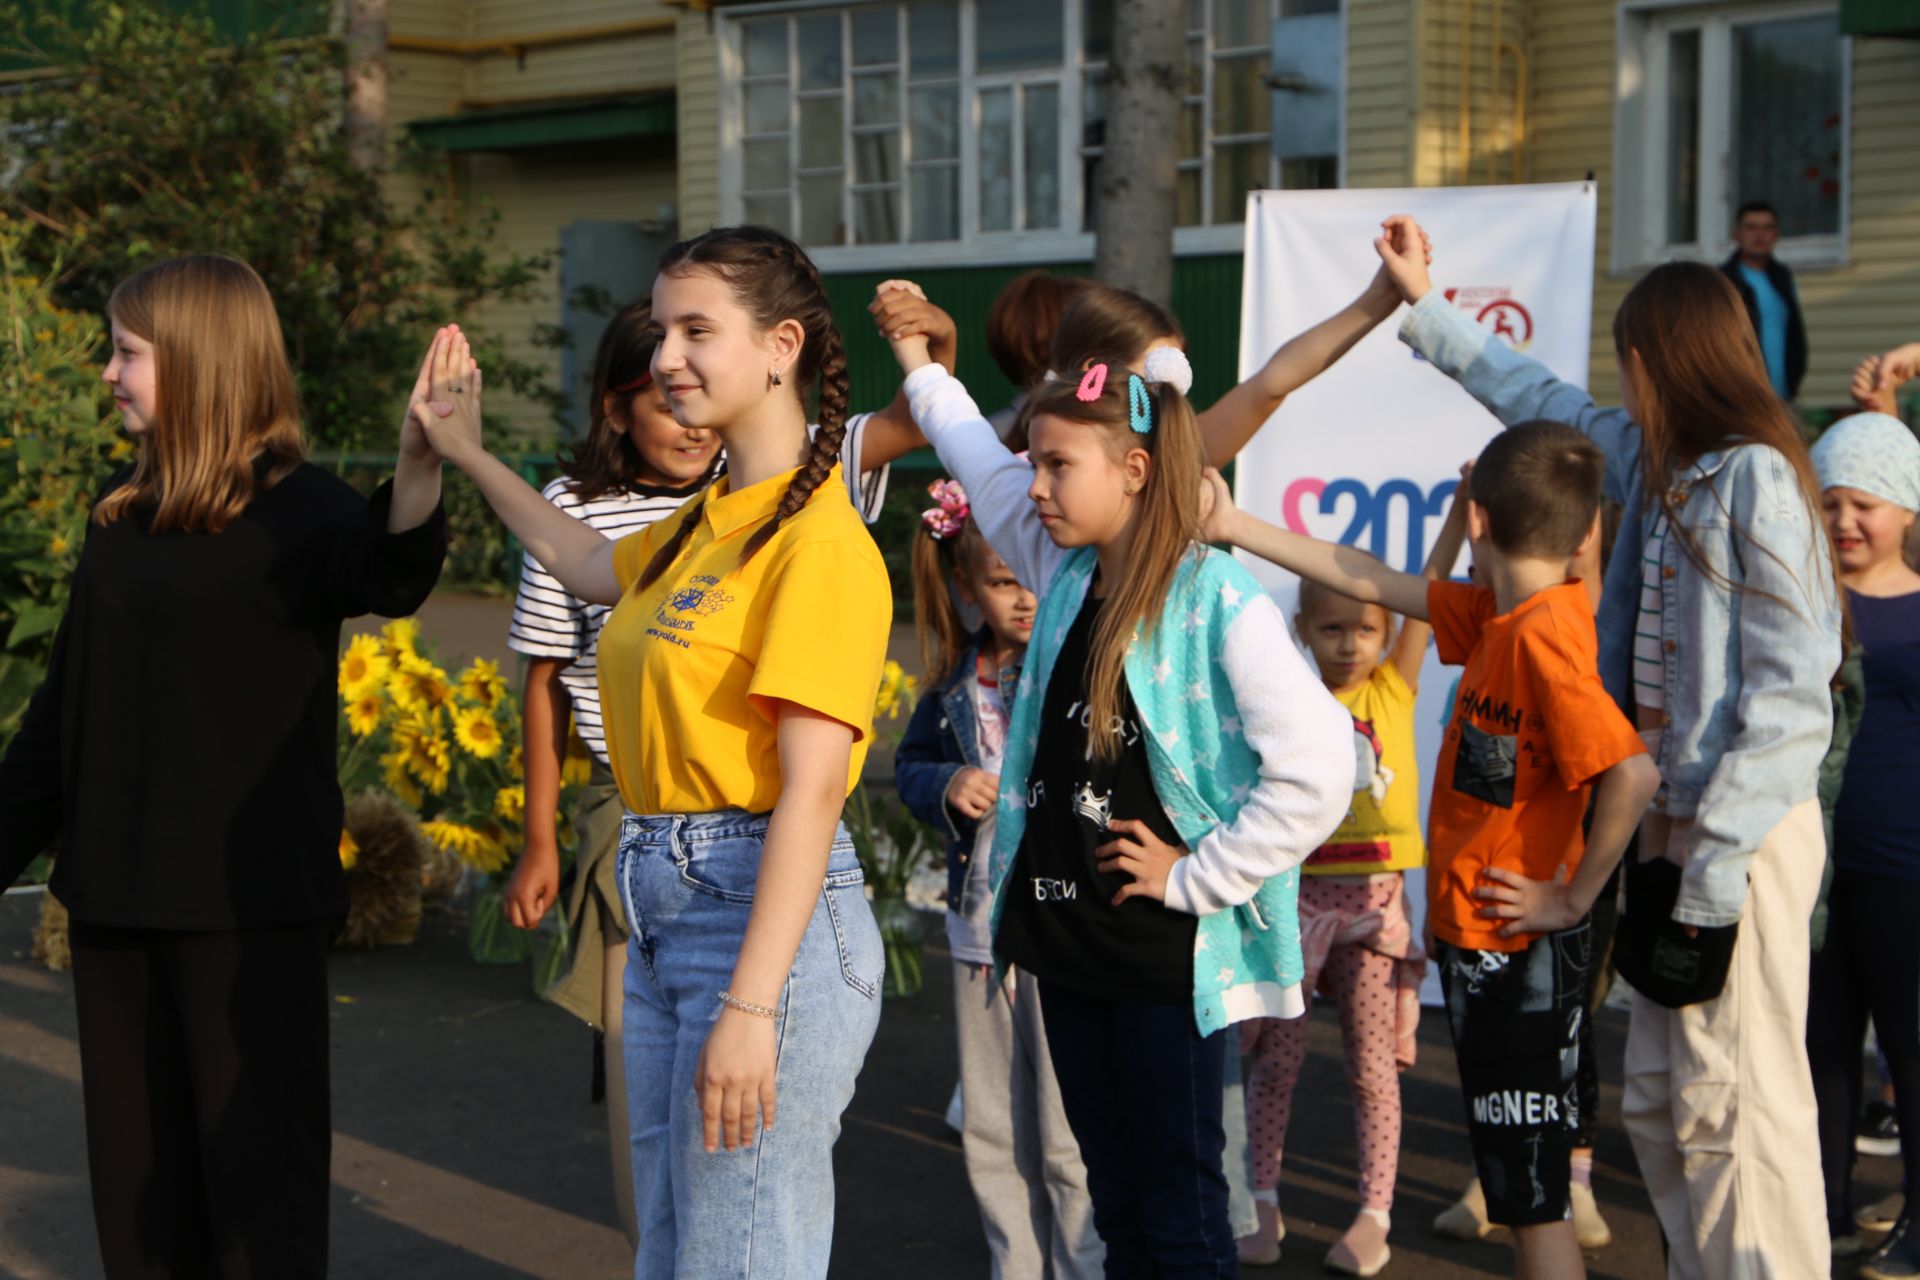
670 550
824 450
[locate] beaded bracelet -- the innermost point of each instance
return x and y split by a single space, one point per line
732 1001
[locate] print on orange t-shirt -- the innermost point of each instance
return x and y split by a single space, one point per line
1531 728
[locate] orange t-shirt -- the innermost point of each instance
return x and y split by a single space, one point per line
1531 728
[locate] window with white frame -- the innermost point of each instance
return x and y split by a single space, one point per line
1731 103
963 121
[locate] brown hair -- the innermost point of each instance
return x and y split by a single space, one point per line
1539 483
1165 527
1104 321
937 563
605 459
1701 385
1023 320
224 397
773 280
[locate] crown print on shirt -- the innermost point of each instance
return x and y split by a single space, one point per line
1097 809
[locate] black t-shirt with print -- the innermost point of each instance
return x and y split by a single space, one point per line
1060 923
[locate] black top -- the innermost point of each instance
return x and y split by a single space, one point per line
1060 923
182 747
1875 826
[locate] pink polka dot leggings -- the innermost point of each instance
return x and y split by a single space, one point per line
1361 982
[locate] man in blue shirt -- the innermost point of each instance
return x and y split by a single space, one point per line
1773 303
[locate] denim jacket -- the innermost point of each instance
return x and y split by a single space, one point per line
942 739
1749 712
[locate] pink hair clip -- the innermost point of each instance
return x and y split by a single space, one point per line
1093 384
949 514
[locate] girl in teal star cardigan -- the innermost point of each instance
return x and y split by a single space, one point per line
1163 781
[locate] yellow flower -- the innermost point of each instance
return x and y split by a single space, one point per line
417 684
120 450
510 803
477 732
478 848
483 683
423 751
897 691
59 546
516 763
402 636
362 668
394 769
349 850
363 714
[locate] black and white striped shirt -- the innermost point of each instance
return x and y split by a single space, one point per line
551 622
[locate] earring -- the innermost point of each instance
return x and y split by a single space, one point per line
774 377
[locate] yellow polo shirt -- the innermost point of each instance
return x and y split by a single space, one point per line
692 667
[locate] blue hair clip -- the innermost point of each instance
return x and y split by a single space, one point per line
1139 405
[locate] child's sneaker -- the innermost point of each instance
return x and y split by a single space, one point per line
1466 1218
1363 1250
1262 1248
1588 1226
1879 1131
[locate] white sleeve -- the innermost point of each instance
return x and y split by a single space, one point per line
996 482
1304 739
868 489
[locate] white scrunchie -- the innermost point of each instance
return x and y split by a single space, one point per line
1168 365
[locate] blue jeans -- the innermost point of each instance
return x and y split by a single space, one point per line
1142 1091
763 1212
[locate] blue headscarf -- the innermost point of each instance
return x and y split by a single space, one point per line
1873 453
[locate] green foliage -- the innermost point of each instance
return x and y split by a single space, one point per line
58 445
162 137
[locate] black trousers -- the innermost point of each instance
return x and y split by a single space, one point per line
1144 1091
1869 967
204 1072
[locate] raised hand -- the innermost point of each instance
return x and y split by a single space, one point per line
1897 366
449 415
900 308
910 346
1405 251
1866 390
1217 511
414 444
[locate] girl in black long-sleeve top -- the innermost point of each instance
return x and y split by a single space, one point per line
182 752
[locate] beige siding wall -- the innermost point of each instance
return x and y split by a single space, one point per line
1456 37
698 107
1380 93
536 193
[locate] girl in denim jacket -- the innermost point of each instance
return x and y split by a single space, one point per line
1170 762
1022 1160
1721 638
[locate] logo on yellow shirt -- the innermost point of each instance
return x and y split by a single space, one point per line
701 597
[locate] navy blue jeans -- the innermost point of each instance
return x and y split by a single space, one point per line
1142 1091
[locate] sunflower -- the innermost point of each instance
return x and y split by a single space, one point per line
403 638
482 682
394 770
363 713
349 850
510 803
478 733
897 691
479 848
362 667
516 763
417 683
417 741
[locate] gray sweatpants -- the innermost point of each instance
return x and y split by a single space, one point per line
1021 1156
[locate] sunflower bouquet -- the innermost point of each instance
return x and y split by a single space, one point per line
448 748
891 843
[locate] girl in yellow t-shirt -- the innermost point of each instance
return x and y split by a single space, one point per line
1355 934
737 680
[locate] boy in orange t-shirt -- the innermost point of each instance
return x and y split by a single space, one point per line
1510 877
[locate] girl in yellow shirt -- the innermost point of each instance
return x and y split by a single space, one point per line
737 679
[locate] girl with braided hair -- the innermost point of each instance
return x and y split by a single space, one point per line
734 736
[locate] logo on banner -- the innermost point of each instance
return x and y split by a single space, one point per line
1371 512
1495 307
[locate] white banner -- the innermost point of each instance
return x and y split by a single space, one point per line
1369 453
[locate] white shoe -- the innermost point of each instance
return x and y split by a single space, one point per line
1588 1225
1466 1218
